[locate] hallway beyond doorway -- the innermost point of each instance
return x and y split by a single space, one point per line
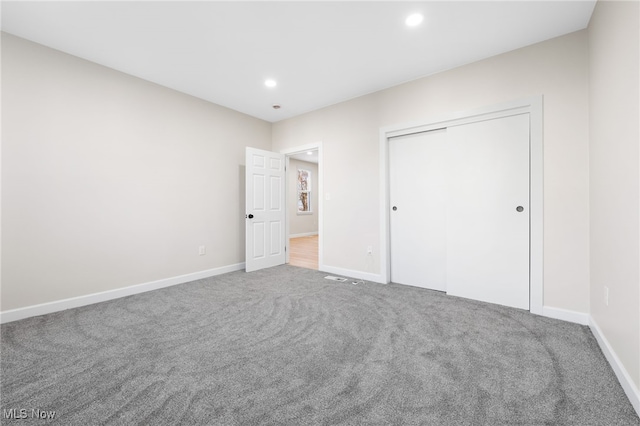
304 252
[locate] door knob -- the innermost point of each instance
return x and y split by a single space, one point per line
394 208
250 216
519 208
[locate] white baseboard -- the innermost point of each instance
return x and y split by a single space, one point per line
376 278
89 299
304 234
565 315
627 383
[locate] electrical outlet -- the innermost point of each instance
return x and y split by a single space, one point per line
202 250
606 296
369 250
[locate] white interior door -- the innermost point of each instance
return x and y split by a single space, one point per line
265 207
417 195
487 255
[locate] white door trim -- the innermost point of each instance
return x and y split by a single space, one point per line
533 106
297 150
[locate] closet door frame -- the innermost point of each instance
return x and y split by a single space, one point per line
533 106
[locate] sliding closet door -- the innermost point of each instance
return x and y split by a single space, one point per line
417 217
487 254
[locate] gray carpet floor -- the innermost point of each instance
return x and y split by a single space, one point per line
284 346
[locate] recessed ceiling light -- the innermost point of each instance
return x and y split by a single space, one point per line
270 83
309 152
414 20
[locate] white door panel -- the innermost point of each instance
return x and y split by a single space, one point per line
456 226
417 188
487 254
265 206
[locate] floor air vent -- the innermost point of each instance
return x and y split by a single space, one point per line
332 278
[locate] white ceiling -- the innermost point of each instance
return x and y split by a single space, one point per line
309 156
320 53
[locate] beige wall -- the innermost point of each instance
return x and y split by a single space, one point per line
110 181
614 89
305 223
349 131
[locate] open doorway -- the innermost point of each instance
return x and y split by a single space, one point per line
303 208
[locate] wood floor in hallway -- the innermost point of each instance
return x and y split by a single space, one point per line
303 252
